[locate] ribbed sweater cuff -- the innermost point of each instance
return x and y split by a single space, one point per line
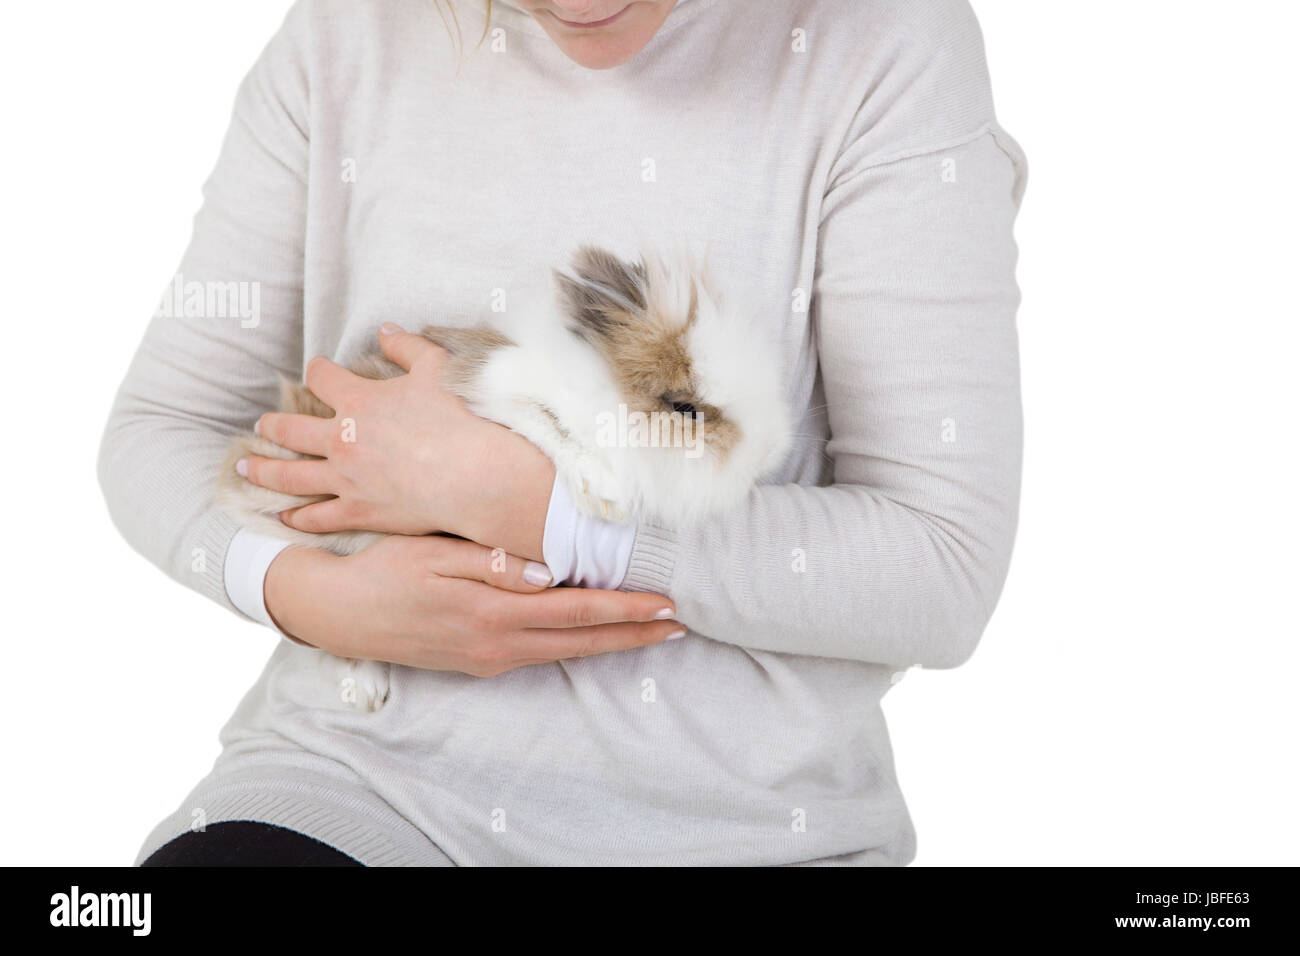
214 540
654 555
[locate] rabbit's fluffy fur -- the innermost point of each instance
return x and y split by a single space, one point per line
654 400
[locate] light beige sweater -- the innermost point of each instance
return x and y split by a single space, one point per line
843 162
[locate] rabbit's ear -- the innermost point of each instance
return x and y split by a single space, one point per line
469 348
604 294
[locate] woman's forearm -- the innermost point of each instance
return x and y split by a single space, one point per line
439 603
833 572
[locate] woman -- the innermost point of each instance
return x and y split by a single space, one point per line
843 163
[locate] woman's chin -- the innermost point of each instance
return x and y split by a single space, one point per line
605 47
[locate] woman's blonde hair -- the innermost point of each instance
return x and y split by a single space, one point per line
448 7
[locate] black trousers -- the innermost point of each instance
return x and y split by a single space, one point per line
247 843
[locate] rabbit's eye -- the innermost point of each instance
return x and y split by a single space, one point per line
681 407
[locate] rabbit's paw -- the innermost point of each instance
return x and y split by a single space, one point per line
363 685
598 495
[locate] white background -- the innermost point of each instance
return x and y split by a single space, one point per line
1133 700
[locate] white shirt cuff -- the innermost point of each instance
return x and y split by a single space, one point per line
582 550
247 559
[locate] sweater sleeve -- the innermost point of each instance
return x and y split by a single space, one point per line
901 559
230 325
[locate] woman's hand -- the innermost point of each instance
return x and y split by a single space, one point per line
445 604
405 456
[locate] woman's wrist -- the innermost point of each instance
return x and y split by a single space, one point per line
509 494
292 581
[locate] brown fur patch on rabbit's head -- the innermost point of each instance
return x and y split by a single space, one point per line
639 316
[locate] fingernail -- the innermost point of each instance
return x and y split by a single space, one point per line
388 328
536 574
664 615
241 467
675 635
257 428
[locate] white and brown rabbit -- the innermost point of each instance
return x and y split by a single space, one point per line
654 400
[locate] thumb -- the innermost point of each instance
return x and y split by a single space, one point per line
404 348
